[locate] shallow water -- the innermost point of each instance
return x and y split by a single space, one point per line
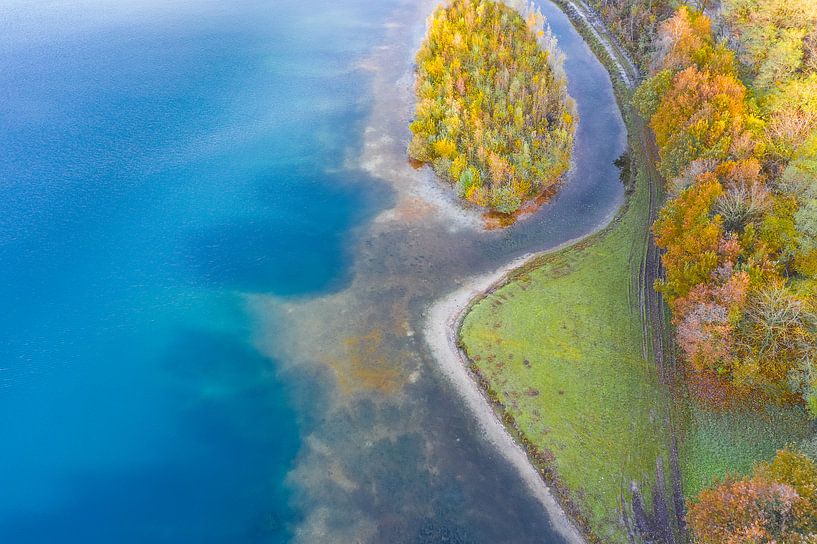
213 261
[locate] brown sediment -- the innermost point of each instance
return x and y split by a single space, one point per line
366 366
412 209
497 220
414 163
494 220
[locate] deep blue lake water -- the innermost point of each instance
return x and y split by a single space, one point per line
160 159
209 332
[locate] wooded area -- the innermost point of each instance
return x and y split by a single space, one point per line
735 120
493 117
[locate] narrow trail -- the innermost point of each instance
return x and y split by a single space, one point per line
658 331
669 526
583 15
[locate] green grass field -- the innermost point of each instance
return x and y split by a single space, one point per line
560 345
731 442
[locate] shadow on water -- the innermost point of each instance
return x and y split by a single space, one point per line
297 246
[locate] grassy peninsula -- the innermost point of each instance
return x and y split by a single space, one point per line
493 117
560 348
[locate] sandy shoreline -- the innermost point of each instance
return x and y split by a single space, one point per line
444 319
382 383
441 333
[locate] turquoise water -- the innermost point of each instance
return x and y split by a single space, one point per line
209 334
159 160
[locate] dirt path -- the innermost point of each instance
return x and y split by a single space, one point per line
668 525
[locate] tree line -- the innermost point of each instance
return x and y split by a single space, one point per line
735 121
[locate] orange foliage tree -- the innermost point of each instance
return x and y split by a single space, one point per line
736 247
691 235
777 505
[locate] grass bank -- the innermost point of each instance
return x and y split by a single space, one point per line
559 347
717 443
711 443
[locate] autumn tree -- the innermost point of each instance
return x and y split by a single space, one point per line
777 343
686 39
772 37
703 115
776 505
740 228
493 117
690 235
696 105
791 110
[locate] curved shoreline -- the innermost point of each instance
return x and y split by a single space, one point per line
445 316
441 333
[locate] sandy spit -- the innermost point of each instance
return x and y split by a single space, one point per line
441 330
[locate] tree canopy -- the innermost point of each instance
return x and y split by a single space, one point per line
739 231
777 504
493 116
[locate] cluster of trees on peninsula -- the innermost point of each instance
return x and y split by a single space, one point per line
493 116
735 121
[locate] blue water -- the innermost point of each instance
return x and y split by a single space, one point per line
171 171
158 162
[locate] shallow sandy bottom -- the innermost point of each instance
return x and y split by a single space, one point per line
392 454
